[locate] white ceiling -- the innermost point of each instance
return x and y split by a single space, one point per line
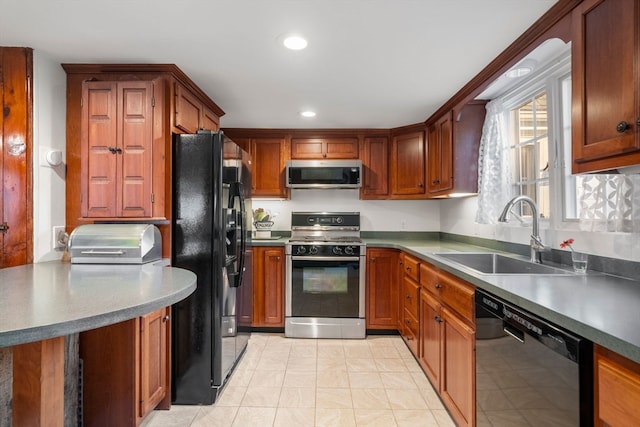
369 63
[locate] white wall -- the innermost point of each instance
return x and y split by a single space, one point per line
49 112
375 215
458 216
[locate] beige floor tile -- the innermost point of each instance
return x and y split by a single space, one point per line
361 365
303 351
357 352
179 415
272 363
414 418
431 398
421 380
297 397
391 365
330 351
443 418
335 418
333 398
299 379
241 377
385 352
267 379
215 416
261 397
254 417
304 364
374 418
328 379
298 417
365 380
370 398
405 399
331 365
231 396
403 380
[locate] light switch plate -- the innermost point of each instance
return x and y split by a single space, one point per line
57 238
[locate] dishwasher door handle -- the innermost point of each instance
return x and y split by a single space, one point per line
514 332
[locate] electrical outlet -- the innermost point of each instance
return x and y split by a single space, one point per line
57 238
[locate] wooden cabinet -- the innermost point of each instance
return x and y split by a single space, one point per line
440 156
605 85
409 300
126 370
116 149
616 389
268 286
453 142
382 288
407 165
324 148
191 114
120 125
447 340
375 167
268 162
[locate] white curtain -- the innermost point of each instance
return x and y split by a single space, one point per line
494 165
609 203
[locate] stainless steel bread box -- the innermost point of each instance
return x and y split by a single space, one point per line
115 244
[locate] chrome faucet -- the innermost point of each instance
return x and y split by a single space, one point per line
536 242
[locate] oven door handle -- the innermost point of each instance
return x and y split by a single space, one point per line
324 258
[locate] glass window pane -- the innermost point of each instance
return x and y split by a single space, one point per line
525 122
543 158
515 168
528 190
540 107
527 162
544 205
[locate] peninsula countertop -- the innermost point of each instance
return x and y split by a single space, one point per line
50 299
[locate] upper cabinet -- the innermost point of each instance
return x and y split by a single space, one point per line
191 113
324 148
453 142
120 122
116 146
606 85
375 167
408 165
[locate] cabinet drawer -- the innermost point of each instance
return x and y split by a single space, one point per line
429 279
410 331
412 267
457 295
411 295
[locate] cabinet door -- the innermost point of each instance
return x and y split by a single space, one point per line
98 144
187 110
375 165
617 389
134 149
268 286
605 80
268 161
458 383
408 164
324 148
116 149
382 289
430 337
154 365
440 156
209 120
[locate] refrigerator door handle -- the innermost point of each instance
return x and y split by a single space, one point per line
236 190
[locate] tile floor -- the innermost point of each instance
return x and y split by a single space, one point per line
301 382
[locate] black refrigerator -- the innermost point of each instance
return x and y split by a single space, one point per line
211 180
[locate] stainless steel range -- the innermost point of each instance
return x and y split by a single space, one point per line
325 276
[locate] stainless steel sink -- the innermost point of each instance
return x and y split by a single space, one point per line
492 263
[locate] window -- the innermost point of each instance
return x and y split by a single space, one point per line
539 120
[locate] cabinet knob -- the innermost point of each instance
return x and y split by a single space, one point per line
437 318
119 150
420 184
623 127
324 154
166 318
436 182
438 286
373 260
112 150
408 297
408 268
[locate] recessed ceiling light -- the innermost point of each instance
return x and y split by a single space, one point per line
308 113
294 42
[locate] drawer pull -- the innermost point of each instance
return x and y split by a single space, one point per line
166 318
437 319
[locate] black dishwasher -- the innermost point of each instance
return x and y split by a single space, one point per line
529 372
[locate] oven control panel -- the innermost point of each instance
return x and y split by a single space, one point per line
326 250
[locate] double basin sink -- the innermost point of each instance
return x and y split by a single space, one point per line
493 263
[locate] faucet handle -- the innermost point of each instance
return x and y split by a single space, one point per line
536 243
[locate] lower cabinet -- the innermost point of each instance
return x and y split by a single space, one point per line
126 370
447 341
616 389
382 288
268 286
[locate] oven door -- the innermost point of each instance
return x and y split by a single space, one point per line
325 287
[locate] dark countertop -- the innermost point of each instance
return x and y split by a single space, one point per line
50 299
600 307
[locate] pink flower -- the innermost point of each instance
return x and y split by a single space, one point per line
567 244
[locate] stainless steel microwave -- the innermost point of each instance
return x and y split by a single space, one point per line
323 174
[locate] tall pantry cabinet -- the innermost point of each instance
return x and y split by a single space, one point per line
120 125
